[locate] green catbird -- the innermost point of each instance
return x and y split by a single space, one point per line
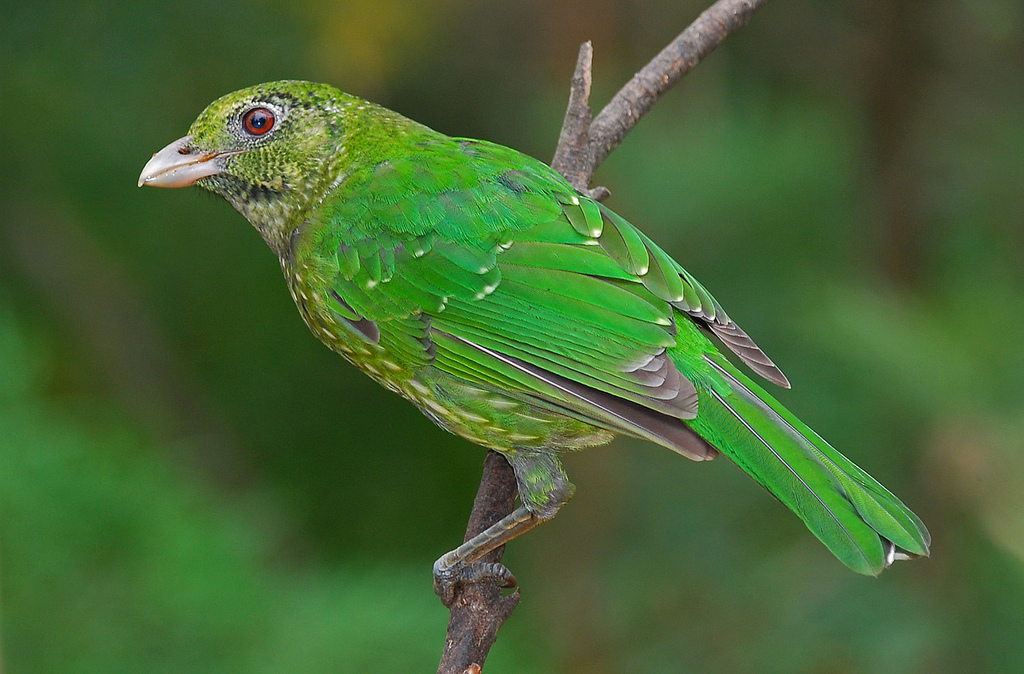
512 309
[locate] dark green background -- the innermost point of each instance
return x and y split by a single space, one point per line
190 482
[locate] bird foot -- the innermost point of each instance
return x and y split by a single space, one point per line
450 577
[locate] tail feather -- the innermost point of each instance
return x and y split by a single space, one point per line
858 519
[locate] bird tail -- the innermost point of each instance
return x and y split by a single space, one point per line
858 519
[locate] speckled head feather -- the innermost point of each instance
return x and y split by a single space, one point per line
273 177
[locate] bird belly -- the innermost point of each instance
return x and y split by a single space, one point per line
497 419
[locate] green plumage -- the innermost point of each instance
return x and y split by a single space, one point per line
511 309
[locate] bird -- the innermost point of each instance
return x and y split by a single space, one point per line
513 310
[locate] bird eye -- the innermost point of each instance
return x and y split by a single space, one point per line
258 121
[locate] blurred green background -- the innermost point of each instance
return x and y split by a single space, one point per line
190 482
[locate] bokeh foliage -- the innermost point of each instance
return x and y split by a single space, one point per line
189 481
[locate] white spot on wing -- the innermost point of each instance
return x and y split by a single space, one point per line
437 408
519 437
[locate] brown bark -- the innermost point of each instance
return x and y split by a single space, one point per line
480 609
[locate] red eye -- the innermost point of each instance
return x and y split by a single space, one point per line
258 121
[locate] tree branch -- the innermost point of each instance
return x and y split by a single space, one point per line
673 62
572 156
480 609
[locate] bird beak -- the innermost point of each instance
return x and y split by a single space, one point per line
180 165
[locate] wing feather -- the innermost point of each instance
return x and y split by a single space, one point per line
501 255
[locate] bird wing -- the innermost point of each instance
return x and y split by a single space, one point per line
527 284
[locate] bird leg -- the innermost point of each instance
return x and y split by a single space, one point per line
543 489
461 565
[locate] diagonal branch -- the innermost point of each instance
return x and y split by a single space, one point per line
673 62
479 610
584 144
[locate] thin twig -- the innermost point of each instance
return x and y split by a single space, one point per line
572 154
480 609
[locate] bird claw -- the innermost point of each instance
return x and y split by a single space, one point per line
449 578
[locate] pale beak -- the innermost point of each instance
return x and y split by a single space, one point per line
179 165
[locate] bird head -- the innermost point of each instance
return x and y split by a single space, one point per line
268 150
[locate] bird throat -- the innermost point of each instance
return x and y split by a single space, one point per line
274 210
